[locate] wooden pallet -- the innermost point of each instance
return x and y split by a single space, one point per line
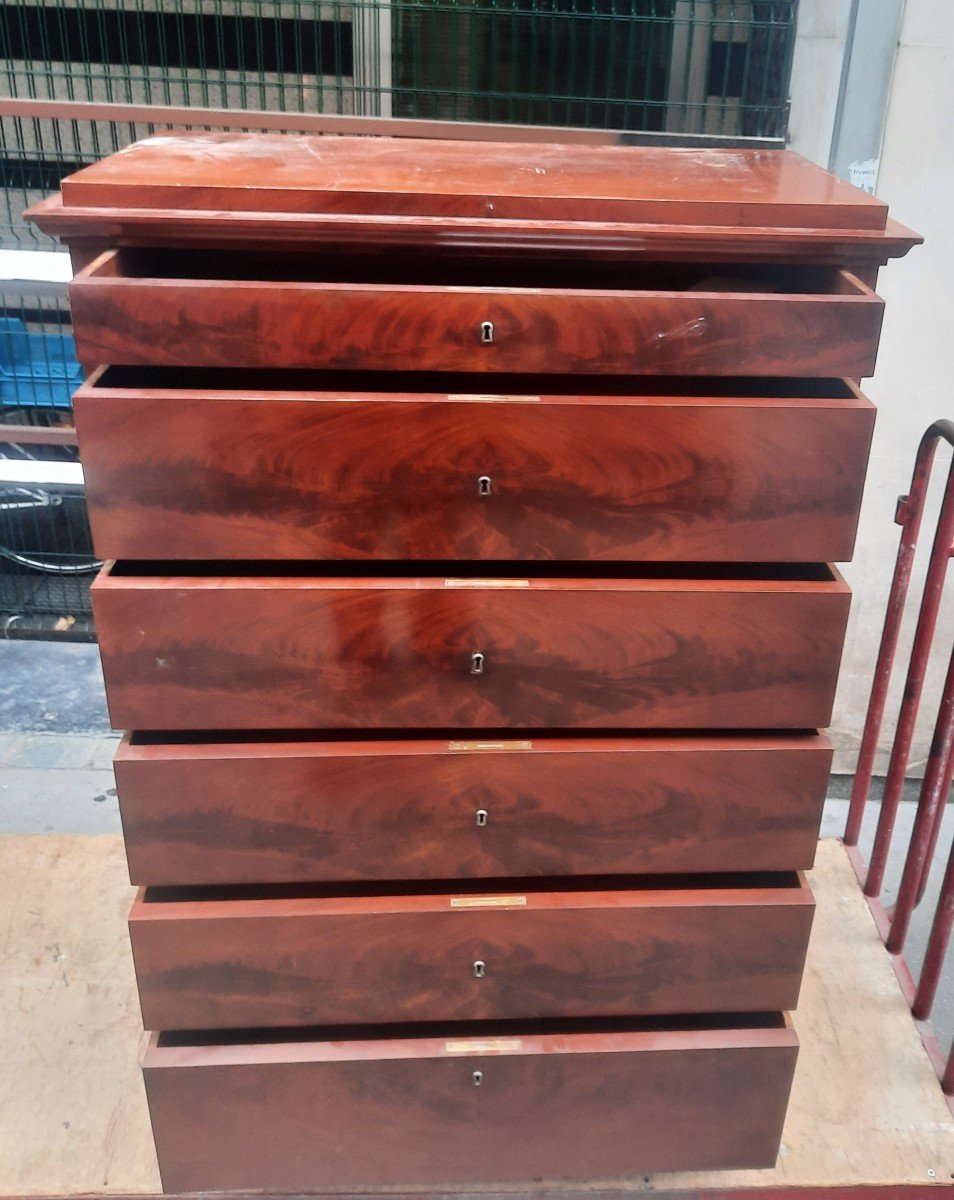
866 1106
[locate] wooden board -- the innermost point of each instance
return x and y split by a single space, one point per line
866 1107
273 172
253 651
467 1110
73 1114
90 231
276 311
206 471
207 811
340 958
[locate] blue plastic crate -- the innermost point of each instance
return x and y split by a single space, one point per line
37 370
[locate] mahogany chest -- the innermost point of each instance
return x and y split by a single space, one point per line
470 510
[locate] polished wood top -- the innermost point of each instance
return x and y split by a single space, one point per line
229 172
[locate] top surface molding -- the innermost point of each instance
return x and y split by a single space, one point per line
278 173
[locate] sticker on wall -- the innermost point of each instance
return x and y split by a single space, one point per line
864 175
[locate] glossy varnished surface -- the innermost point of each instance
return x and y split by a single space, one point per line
366 881
191 473
290 811
90 231
123 317
304 1115
273 172
333 960
267 652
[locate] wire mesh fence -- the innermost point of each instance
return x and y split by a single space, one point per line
654 67
661 65
616 63
711 67
46 557
46 553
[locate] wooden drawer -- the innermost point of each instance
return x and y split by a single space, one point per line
249 958
222 308
252 651
301 1116
202 465
204 811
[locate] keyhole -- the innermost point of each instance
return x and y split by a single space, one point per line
486 331
482 816
483 485
477 664
480 969
478 1078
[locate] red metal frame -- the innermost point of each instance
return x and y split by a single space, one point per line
893 924
889 1191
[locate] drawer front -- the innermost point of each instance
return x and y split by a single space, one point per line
334 960
293 812
181 475
300 1116
240 652
122 317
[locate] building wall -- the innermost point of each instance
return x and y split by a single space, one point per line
912 386
820 40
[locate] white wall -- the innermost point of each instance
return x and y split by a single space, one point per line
816 72
913 384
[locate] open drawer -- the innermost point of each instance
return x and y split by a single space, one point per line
205 809
238 958
192 464
219 308
241 646
590 1101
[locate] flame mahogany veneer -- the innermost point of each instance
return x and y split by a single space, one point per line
471 507
556 1105
207 811
212 472
131 313
339 652
270 961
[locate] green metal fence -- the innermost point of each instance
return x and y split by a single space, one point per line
644 67
640 65
710 67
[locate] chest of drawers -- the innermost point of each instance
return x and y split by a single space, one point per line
470 510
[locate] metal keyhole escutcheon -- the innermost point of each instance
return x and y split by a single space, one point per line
477 663
478 1078
486 332
482 817
483 485
480 969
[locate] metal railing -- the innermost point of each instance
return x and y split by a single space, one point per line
894 922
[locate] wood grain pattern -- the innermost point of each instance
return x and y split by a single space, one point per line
122 319
286 812
192 474
275 173
588 951
259 652
90 231
370 959
306 1116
